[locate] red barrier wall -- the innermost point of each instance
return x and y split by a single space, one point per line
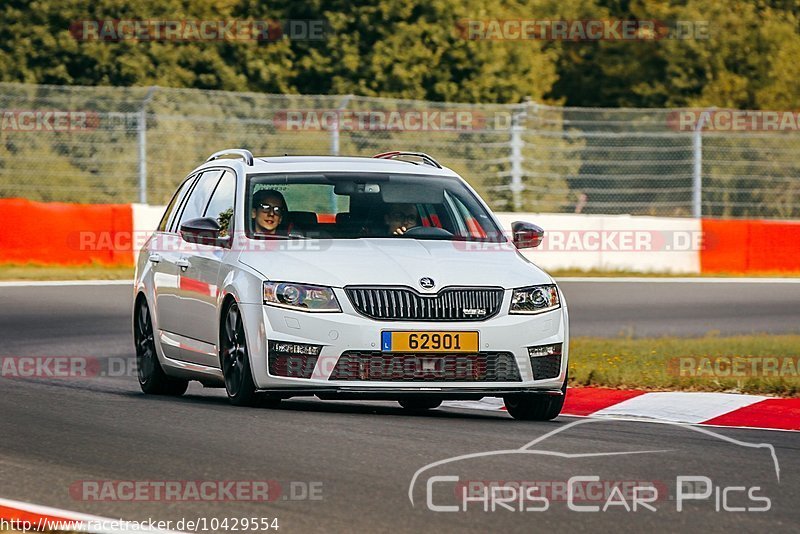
65 234
75 234
750 246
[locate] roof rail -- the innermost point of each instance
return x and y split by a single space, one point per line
240 153
426 159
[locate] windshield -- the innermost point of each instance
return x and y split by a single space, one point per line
365 205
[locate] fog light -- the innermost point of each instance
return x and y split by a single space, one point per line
545 361
544 350
293 360
294 348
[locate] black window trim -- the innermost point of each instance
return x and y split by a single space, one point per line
175 209
179 211
173 225
225 242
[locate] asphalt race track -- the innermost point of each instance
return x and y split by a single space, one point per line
682 308
339 466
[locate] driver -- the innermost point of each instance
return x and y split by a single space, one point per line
269 210
400 218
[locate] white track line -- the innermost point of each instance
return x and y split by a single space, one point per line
680 406
495 405
659 422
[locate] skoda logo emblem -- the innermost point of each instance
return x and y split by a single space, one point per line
426 283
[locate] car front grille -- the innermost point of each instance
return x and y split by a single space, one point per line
546 366
405 304
396 367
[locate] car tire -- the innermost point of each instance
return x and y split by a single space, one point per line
420 405
152 378
536 407
235 359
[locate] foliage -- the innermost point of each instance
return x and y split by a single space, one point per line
416 50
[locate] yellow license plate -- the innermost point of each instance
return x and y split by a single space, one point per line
429 341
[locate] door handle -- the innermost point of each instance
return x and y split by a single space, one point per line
154 258
183 263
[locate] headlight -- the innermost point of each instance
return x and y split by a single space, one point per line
300 297
535 299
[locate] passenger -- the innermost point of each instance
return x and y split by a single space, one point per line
269 211
400 218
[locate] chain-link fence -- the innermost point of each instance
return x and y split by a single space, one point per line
104 144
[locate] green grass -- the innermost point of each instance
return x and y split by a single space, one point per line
32 271
654 364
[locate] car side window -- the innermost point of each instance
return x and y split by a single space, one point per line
198 199
220 207
169 213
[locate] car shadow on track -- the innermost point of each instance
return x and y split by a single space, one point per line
368 408
216 398
381 408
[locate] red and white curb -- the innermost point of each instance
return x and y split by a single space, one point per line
697 408
26 517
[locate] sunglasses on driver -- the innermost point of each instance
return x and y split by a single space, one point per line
277 210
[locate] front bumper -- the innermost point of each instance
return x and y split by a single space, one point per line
397 393
349 331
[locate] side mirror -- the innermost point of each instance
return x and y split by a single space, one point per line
526 235
204 231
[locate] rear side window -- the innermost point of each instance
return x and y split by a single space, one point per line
169 213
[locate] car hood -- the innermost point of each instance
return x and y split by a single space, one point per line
339 263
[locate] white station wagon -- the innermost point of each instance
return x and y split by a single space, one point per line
383 278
